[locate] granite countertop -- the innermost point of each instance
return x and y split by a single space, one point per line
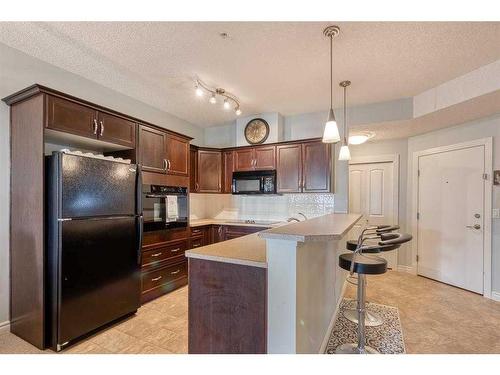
250 250
324 228
247 250
201 222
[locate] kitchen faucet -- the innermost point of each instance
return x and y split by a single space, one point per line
295 219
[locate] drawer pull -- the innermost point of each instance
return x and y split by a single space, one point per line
196 245
196 231
157 278
175 272
156 254
175 250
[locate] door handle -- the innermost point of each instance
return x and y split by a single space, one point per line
475 226
102 128
95 126
165 164
168 164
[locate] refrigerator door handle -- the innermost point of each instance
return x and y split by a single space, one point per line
140 235
138 190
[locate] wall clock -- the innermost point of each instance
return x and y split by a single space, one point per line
256 131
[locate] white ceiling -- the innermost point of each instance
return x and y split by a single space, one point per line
271 66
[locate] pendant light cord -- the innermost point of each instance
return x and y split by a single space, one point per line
331 72
345 114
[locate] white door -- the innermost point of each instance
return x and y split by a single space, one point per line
371 193
450 217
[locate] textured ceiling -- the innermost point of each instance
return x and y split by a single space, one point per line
272 67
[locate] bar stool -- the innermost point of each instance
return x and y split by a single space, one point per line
361 264
371 319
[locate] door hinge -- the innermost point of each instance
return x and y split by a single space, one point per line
418 215
418 173
485 176
417 258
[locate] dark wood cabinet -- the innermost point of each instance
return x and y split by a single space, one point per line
152 149
265 157
228 165
255 158
116 129
235 231
70 117
193 169
316 169
217 233
244 160
289 168
177 155
209 171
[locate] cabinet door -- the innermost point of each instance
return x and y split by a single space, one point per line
289 168
177 155
70 117
217 234
228 159
209 171
244 160
116 129
316 159
265 157
193 170
152 146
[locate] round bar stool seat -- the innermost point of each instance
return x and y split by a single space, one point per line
364 265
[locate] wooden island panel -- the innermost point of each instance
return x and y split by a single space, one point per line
227 308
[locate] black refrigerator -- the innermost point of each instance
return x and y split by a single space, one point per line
94 236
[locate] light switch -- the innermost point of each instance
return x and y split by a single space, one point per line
496 213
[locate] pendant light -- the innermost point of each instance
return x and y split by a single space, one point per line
344 153
331 132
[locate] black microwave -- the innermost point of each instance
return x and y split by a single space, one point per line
254 182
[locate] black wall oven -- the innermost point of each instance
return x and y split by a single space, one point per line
254 182
164 207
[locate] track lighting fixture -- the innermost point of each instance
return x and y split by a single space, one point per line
229 99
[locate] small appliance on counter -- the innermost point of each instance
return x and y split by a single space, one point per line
164 207
254 182
94 237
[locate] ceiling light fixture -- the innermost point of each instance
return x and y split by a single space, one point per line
230 100
357 139
344 153
331 132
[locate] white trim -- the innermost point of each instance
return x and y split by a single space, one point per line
488 189
495 296
332 321
5 327
389 158
407 269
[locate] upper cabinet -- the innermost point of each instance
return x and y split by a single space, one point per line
304 167
255 158
116 129
193 169
228 166
152 149
177 155
78 119
209 174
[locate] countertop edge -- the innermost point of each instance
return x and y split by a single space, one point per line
213 258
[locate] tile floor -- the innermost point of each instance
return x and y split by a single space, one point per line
436 318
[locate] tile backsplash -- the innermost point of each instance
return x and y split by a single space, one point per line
275 207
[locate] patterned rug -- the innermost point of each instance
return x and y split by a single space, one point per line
387 338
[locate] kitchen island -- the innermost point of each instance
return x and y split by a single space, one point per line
276 291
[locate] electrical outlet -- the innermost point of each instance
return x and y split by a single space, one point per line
496 213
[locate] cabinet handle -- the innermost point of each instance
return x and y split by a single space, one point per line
196 231
175 250
164 164
102 128
168 164
157 278
197 186
95 126
175 272
196 245
156 254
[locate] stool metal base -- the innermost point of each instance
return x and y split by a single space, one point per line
353 349
371 319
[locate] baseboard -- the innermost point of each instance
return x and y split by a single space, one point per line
402 268
4 326
332 321
495 296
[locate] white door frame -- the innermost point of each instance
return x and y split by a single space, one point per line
488 189
390 158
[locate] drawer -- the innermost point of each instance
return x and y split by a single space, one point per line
156 256
198 231
197 242
165 275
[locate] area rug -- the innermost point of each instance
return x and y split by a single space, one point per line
387 338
